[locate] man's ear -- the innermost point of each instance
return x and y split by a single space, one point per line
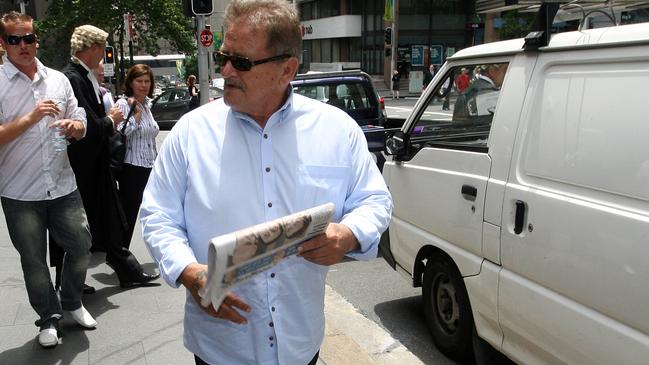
291 68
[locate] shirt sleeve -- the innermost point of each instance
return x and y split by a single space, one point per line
162 209
368 206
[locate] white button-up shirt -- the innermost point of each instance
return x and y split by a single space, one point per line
140 136
218 172
30 168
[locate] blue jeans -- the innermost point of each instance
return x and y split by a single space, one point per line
28 223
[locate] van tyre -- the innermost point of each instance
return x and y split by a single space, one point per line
447 309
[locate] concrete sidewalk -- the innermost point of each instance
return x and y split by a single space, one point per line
144 325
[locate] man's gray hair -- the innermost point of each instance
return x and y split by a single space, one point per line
85 36
276 18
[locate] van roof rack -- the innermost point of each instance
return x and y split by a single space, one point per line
547 10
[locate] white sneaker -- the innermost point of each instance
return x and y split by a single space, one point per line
48 337
82 317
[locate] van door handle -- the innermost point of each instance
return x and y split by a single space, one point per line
469 192
518 218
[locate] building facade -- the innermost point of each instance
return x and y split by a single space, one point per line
342 34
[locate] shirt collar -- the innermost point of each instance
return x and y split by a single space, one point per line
78 61
278 114
487 79
11 71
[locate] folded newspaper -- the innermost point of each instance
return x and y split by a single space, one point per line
235 257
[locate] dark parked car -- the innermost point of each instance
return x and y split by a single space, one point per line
353 92
169 106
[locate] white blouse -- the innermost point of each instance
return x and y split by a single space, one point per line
140 136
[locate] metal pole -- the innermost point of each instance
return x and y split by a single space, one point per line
22 7
395 36
202 62
130 52
210 66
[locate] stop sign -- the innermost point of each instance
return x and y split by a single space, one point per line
206 38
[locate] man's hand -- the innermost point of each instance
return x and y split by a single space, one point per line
71 128
115 113
45 108
330 247
194 277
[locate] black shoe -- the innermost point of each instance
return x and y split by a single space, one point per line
141 279
87 289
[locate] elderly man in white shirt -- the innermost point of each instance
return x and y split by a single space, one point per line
37 186
258 154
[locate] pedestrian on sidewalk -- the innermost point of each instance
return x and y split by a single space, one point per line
37 186
429 74
231 164
141 130
106 95
90 159
194 94
396 77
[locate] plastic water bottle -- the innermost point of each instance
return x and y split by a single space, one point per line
58 139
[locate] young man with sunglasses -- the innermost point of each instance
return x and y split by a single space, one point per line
37 186
260 153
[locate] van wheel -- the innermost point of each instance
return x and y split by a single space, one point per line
447 309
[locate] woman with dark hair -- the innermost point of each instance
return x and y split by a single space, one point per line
141 130
194 101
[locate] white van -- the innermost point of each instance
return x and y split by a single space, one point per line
521 199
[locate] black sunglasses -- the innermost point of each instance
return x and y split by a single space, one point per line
14 40
243 63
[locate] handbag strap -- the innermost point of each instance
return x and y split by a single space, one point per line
130 114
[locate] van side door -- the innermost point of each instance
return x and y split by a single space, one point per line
439 184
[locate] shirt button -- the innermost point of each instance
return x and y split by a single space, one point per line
271 338
270 205
271 324
272 309
265 136
271 344
272 275
267 169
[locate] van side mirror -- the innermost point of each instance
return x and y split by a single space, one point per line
395 144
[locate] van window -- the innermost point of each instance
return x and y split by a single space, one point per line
459 112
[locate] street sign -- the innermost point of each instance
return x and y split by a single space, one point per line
206 38
109 69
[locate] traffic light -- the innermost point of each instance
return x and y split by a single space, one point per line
109 56
202 7
388 35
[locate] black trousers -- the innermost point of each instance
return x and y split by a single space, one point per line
132 181
200 361
107 225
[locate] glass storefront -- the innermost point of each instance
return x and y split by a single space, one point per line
450 25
